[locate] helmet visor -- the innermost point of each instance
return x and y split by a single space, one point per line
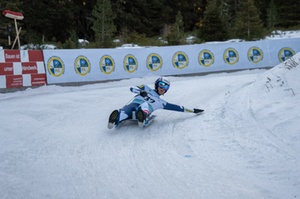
163 85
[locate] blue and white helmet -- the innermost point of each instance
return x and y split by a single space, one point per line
162 82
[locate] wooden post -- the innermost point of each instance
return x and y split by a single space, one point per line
17 37
17 33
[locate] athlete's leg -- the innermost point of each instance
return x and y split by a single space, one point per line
126 111
145 108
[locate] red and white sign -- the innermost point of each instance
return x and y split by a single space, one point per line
12 56
6 68
20 68
29 68
14 81
13 15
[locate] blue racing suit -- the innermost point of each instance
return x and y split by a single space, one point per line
148 104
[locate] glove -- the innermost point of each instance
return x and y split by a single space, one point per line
198 110
143 93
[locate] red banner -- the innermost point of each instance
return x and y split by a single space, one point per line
35 55
6 69
14 81
29 68
38 79
12 56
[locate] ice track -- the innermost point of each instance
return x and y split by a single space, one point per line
55 144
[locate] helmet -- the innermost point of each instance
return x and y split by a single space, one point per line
164 80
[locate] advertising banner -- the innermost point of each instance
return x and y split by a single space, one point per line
80 65
19 68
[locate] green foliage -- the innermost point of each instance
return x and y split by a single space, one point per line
178 25
213 27
82 18
174 33
103 27
69 44
248 25
289 12
74 38
141 21
136 38
48 19
273 16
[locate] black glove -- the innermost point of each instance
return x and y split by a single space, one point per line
198 110
143 93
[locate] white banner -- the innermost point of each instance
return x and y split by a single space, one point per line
64 66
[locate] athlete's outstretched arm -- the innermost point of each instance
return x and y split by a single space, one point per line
174 107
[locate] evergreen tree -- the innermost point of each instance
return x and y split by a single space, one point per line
83 18
248 25
213 27
142 16
191 11
103 27
47 20
262 6
273 16
179 24
176 33
232 10
289 12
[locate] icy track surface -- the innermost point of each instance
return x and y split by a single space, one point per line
55 142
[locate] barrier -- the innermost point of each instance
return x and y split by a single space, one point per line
20 68
83 65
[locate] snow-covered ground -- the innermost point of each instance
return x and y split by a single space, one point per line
55 142
278 34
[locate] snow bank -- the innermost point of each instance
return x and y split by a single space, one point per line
278 34
275 101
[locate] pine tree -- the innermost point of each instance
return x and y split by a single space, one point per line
273 16
289 12
213 27
176 31
248 25
47 20
103 27
179 24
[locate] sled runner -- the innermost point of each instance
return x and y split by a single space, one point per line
114 119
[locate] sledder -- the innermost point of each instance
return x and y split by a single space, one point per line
145 103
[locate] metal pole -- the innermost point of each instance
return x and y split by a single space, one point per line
8 32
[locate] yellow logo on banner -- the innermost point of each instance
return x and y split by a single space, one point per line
107 64
55 66
180 60
255 55
154 62
206 58
82 65
130 63
285 54
231 56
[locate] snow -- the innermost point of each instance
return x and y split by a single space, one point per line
84 41
38 46
278 34
55 142
124 46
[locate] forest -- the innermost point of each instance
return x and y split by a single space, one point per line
62 22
